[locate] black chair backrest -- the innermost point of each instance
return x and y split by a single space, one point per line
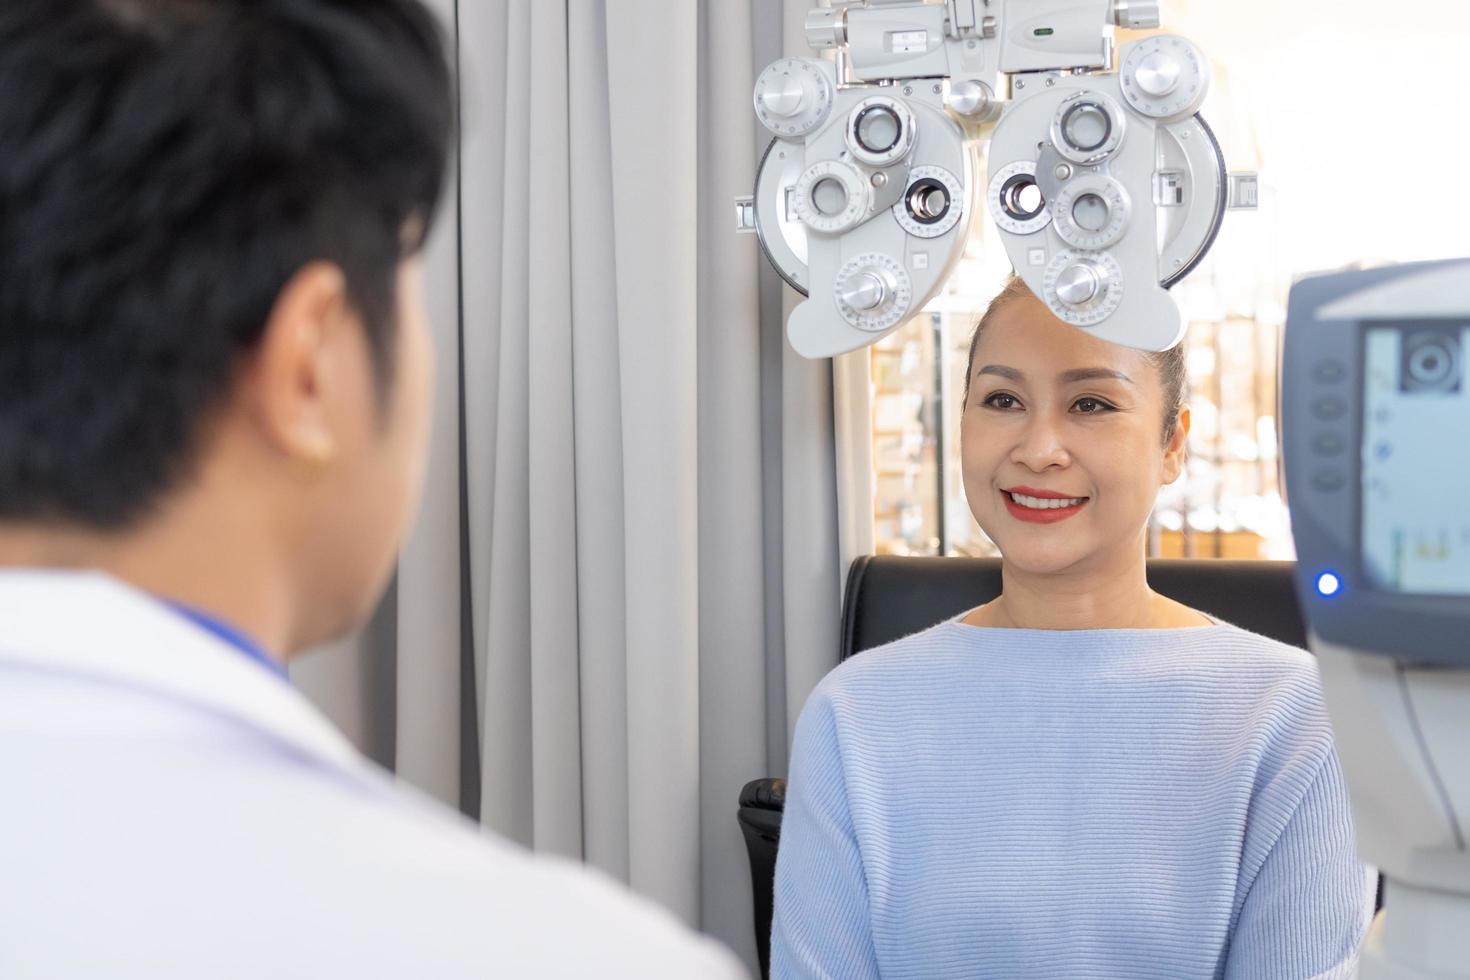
890 597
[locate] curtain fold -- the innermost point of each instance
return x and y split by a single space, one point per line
735 672
652 87
601 609
556 744
426 599
630 543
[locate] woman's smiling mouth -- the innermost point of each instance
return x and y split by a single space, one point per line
1041 506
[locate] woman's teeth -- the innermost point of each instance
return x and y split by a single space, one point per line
1046 503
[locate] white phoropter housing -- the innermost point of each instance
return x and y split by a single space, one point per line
1107 186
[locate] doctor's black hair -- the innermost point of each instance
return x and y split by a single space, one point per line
166 167
1169 363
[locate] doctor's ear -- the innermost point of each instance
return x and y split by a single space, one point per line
1176 446
302 361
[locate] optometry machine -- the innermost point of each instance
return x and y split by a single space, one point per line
1107 186
1376 438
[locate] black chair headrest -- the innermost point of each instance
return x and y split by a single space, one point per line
888 597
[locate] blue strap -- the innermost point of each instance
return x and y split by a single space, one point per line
232 636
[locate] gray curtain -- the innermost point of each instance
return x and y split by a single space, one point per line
625 580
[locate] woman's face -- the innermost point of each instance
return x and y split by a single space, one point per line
1061 442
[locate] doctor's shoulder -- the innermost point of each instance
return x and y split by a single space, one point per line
548 916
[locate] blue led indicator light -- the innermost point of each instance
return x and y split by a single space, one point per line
1328 584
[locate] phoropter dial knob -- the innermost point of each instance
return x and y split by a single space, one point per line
1083 288
793 97
1136 14
866 291
1157 74
873 291
826 27
1078 283
972 99
1165 77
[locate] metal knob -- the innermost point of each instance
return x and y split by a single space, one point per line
864 291
1078 284
971 97
1136 14
1158 74
784 100
826 27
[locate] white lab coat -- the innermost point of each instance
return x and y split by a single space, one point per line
170 809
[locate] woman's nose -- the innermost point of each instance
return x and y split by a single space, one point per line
1040 445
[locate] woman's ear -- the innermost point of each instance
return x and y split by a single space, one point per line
1174 449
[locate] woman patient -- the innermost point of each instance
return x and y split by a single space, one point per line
1081 778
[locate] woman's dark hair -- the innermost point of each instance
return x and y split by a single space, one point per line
166 166
1169 363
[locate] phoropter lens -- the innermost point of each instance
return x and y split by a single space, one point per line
1086 126
878 129
829 196
1021 198
1090 212
927 201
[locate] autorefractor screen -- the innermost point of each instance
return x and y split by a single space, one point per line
1416 457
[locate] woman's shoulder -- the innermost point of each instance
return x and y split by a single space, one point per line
1252 653
1268 686
925 657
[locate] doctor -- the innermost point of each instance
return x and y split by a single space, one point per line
214 376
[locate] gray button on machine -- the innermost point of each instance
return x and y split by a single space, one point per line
1328 409
1327 444
1330 372
1328 480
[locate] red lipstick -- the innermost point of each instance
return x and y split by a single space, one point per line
1033 516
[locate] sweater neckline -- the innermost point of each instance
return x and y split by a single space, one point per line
1106 632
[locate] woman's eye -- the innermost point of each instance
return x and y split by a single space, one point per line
1002 400
1091 406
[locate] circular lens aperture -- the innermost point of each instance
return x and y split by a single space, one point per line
1015 199
829 196
878 129
1021 197
1091 212
932 205
1086 126
928 201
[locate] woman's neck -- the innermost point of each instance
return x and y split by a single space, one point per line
1113 595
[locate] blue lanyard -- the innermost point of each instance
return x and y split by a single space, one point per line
232 636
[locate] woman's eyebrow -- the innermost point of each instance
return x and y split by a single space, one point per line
1066 377
1092 374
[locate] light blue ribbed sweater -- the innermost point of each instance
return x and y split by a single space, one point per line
973 802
